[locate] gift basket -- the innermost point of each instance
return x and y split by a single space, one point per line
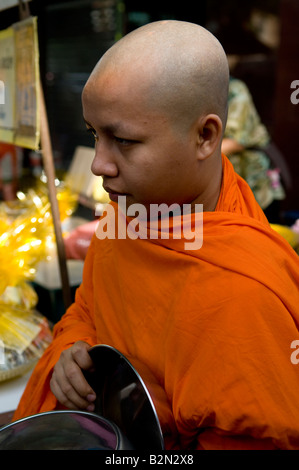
26 230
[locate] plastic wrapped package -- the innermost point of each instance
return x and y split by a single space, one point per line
25 334
26 229
23 295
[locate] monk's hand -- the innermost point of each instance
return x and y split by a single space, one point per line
68 383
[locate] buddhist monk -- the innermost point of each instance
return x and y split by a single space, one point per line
216 325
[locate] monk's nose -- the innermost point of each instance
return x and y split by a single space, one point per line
104 163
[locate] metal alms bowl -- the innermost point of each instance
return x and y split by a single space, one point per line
63 430
125 417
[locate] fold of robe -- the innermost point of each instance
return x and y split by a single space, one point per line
214 326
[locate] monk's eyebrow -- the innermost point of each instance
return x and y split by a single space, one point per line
112 129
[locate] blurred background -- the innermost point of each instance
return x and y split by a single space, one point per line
261 40
73 35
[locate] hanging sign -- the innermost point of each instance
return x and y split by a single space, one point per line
7 77
5 4
19 76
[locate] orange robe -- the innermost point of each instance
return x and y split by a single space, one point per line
214 325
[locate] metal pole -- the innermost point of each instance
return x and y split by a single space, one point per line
50 173
48 162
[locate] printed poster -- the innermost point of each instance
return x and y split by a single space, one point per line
7 81
19 72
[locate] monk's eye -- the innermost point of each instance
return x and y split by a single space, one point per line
91 131
123 141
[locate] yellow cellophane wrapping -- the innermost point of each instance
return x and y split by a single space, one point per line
289 234
26 229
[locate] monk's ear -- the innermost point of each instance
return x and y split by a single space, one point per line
209 135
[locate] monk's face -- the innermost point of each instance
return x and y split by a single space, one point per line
138 152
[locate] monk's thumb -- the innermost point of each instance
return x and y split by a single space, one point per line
81 356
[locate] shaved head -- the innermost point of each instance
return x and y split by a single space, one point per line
181 69
156 103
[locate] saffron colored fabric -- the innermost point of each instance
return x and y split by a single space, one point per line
214 326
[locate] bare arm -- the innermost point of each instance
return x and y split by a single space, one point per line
230 146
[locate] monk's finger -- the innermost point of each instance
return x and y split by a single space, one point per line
68 381
75 381
66 394
70 373
60 396
80 355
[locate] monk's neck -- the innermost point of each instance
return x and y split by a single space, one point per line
209 197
